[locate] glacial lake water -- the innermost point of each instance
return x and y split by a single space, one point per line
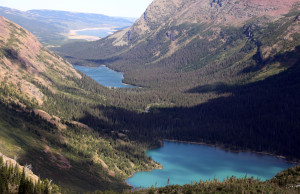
101 33
185 163
104 76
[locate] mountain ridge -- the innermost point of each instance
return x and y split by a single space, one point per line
216 11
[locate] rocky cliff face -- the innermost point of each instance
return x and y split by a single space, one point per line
25 63
221 12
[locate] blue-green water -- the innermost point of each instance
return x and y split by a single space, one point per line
95 32
185 163
104 76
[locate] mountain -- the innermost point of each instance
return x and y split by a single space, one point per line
213 12
42 98
52 27
197 42
218 72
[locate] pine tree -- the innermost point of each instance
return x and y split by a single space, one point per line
3 186
17 177
37 188
22 186
46 184
3 177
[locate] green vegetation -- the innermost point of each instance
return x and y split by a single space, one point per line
15 180
75 158
284 182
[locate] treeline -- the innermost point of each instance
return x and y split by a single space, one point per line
15 180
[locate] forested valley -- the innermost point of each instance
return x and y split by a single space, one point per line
232 86
227 90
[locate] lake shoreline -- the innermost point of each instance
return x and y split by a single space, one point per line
237 151
159 168
127 84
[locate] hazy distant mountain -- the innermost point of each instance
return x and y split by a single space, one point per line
51 26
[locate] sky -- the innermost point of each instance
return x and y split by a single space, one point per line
124 8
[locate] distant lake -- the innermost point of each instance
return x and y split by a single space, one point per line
184 163
104 76
94 32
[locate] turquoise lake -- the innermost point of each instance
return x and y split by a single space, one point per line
185 163
104 76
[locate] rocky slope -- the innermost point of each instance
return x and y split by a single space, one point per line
224 12
25 61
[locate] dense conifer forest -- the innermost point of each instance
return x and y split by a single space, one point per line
243 114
